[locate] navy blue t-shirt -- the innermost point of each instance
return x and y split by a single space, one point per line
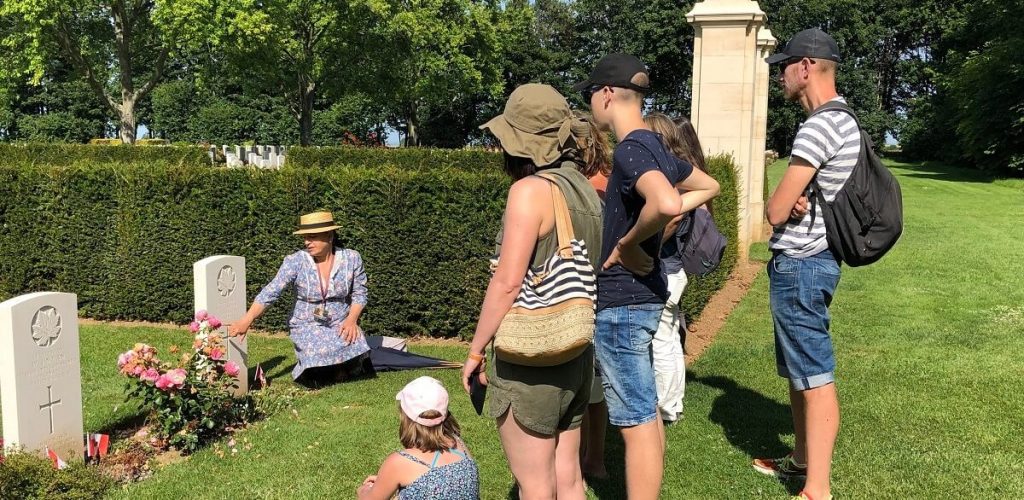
640 152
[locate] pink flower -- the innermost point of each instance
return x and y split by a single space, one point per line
214 322
177 376
163 383
138 370
231 368
216 354
124 358
150 375
193 327
201 315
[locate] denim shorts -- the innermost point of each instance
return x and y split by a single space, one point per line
623 340
801 292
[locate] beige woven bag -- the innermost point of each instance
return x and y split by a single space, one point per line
552 319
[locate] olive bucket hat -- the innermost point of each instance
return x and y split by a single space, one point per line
536 124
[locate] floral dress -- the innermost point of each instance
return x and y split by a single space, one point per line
318 342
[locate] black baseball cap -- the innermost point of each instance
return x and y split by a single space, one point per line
616 70
812 43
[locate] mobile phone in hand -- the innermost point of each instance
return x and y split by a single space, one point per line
477 391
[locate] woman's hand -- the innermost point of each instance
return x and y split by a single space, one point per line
349 330
239 329
474 366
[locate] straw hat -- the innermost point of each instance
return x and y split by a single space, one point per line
536 124
316 222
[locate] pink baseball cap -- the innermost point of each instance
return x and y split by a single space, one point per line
420 395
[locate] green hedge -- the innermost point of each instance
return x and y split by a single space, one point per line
726 211
409 158
26 476
124 236
68 154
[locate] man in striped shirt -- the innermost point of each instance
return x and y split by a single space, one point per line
803 273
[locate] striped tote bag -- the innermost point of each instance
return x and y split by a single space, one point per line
552 319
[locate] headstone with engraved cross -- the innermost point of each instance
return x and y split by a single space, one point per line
40 374
220 290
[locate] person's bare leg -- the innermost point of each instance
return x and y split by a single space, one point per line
531 457
568 476
645 459
796 404
821 410
596 424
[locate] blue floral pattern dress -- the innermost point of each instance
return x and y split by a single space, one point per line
319 342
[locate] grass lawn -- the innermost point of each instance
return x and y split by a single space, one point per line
928 344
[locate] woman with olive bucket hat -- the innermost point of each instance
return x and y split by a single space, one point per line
539 408
330 289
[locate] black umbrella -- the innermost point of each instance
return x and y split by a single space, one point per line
386 359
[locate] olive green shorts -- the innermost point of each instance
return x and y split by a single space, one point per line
545 400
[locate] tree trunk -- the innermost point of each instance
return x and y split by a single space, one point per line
307 93
127 115
412 136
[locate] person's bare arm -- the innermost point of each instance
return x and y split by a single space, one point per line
788 200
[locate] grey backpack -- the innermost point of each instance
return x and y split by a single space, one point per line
701 244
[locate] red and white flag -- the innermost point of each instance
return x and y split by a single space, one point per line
261 377
57 462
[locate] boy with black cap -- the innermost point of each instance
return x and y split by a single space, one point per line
803 273
631 287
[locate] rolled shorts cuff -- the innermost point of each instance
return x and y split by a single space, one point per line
633 421
808 383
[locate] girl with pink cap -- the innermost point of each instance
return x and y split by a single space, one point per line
435 463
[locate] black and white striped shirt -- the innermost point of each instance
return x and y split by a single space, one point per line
830 142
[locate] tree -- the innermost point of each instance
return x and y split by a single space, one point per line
301 49
127 42
433 54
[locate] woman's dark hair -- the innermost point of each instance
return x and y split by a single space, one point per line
518 167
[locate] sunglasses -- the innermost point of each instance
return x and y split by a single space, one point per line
589 92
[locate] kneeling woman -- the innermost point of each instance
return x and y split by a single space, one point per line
330 287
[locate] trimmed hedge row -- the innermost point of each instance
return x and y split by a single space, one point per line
68 154
124 236
478 160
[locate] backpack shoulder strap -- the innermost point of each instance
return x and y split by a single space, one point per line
835 106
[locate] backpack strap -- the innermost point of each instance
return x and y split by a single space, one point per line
831 105
834 105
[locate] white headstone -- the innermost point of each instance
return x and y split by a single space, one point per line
40 374
220 290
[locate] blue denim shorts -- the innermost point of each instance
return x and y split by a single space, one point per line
801 292
623 340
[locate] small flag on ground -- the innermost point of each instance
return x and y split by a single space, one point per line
261 377
57 462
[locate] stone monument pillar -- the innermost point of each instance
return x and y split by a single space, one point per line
730 98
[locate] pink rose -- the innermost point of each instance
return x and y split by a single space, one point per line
138 370
231 368
124 358
193 327
201 315
177 376
214 322
163 383
150 375
216 354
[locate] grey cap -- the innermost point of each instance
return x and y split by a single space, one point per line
812 43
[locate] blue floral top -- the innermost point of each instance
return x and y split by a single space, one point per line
318 342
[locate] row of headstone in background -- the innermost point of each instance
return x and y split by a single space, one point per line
40 367
256 155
